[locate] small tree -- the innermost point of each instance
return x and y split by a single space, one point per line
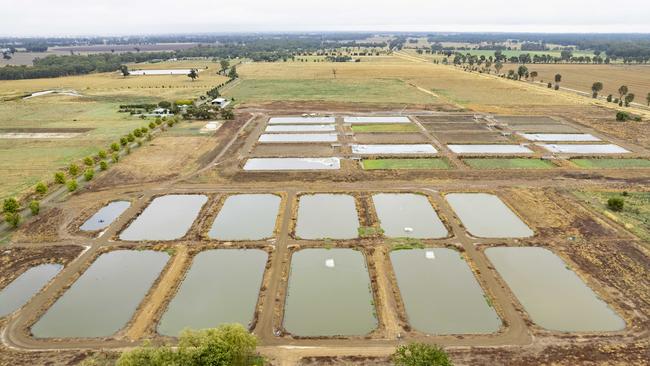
102 154
124 141
647 99
88 161
59 178
622 91
103 165
629 99
558 80
115 146
609 98
193 74
533 75
498 66
124 70
41 188
622 116
224 65
73 170
521 71
227 114
89 174
420 354
12 219
72 185
115 158
234 75
164 104
596 88
10 205
35 207
615 204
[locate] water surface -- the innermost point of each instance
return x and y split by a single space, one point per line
222 286
441 294
30 282
408 215
105 216
552 294
246 217
323 216
105 297
329 294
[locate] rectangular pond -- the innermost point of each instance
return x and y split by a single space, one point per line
105 216
489 149
332 216
300 120
329 294
578 137
408 215
552 294
584 148
166 218
486 216
222 286
441 294
28 284
394 149
387 119
160 72
301 128
246 217
104 298
292 164
299 137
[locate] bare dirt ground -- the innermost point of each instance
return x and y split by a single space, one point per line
608 258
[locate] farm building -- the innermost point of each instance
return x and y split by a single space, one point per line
220 102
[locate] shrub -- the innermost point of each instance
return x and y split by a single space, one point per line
41 188
152 125
102 154
130 137
159 122
164 104
115 146
184 102
123 141
137 133
88 161
549 85
622 116
103 165
170 123
73 170
557 87
609 98
35 207
144 130
12 219
10 205
72 185
420 354
59 178
115 158
615 204
89 174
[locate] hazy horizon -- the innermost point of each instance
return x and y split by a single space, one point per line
119 17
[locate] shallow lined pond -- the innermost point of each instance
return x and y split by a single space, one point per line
246 217
166 218
329 294
331 216
486 216
552 294
30 282
441 294
222 286
105 216
104 298
408 215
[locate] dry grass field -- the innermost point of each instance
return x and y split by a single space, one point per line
581 77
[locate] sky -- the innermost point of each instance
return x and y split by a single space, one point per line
126 17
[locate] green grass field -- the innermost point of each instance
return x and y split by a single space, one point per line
635 215
386 127
508 163
430 163
611 163
338 90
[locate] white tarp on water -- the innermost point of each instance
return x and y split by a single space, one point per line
297 137
160 72
300 128
393 149
300 120
489 149
394 119
584 148
579 137
292 164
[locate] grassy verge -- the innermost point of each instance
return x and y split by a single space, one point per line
431 163
635 215
611 163
386 127
508 163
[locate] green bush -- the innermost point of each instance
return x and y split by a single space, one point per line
622 116
41 188
35 207
144 129
152 125
115 146
59 178
137 133
115 158
89 174
123 141
102 154
72 185
10 205
12 219
164 104
615 204
420 354
73 170
88 161
130 137
103 165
